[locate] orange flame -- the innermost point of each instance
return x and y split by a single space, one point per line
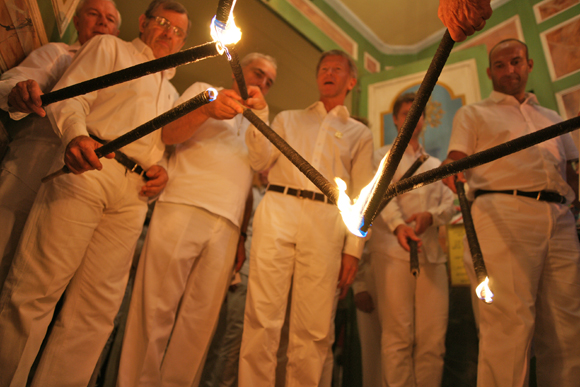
225 34
484 292
353 212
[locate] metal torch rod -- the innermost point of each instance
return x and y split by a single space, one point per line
150 126
410 172
472 240
406 132
483 157
237 71
304 166
414 256
190 55
223 11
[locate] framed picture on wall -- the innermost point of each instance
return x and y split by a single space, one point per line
569 102
549 8
64 11
458 85
561 45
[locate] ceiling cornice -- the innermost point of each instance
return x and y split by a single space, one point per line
383 47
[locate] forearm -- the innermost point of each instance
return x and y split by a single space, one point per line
183 128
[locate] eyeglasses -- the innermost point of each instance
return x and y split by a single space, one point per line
166 24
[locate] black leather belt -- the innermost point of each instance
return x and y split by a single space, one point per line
125 161
301 193
546 196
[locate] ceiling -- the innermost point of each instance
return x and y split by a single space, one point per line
391 24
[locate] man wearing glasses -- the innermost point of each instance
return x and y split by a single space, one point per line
83 228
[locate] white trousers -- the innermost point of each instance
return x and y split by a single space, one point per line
413 313
296 241
16 200
369 333
531 252
29 158
222 369
80 235
181 282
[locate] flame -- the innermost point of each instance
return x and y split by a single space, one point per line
225 34
484 292
353 213
212 94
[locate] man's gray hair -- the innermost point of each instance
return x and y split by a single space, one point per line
256 55
351 64
81 4
168 5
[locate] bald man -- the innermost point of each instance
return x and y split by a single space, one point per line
525 228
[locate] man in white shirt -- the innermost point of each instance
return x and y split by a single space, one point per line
299 237
34 143
526 231
189 253
412 310
83 228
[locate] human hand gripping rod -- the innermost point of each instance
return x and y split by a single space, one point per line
158 122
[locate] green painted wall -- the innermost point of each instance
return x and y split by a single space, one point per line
49 20
539 82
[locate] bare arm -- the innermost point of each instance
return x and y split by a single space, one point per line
227 105
223 108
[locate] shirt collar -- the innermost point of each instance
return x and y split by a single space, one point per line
416 153
144 49
498 97
340 111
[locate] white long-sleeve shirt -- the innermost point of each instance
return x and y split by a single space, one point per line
45 65
34 136
435 198
332 142
111 112
211 169
501 118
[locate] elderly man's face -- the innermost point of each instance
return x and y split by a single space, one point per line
509 68
260 73
164 32
333 78
96 17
